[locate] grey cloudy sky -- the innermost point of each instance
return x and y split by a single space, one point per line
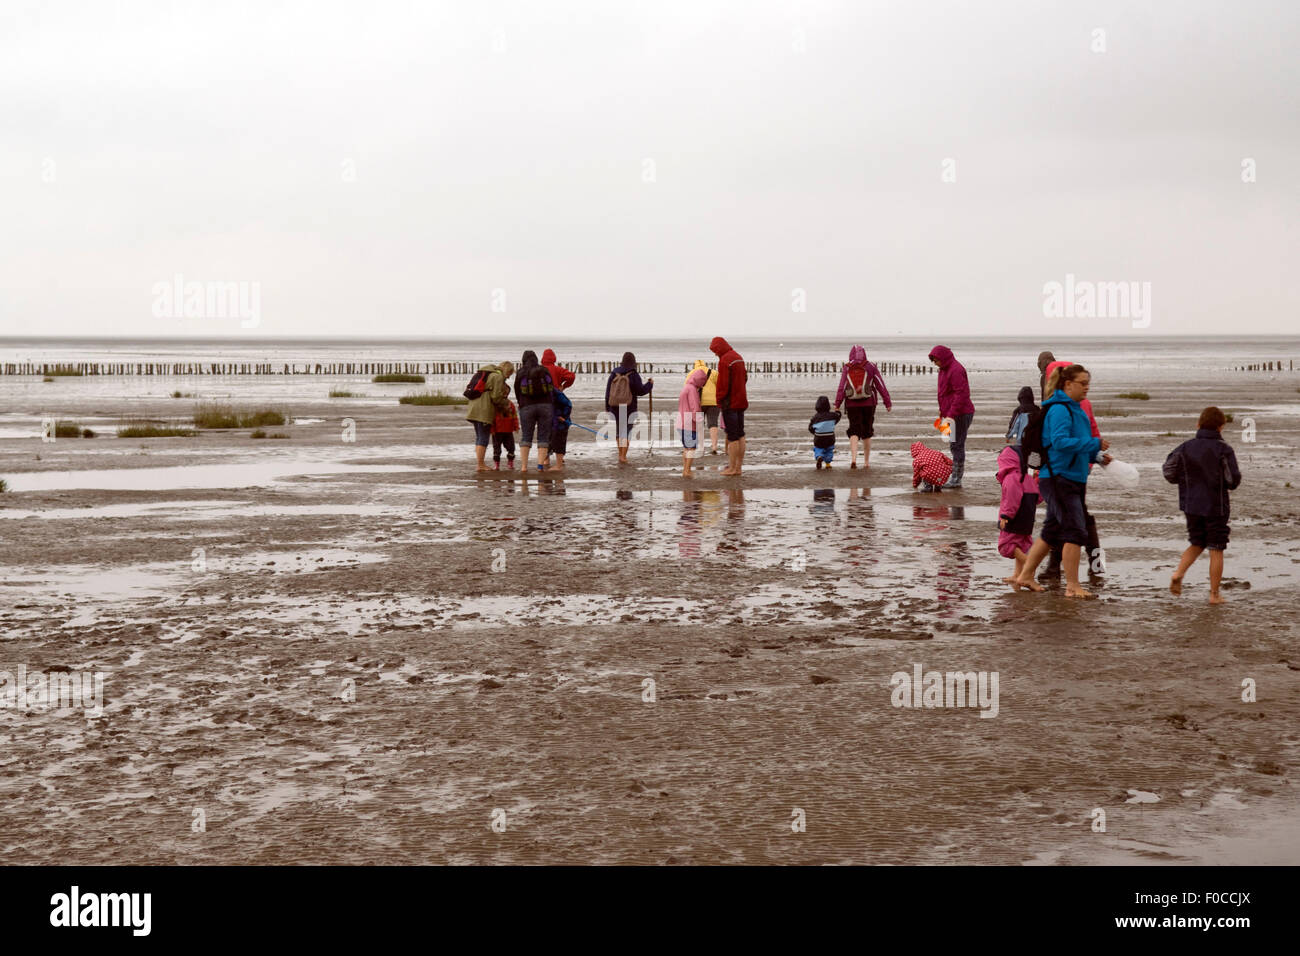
380 168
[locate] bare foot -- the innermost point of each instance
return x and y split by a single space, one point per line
482 468
1018 583
1009 580
728 471
1216 598
1176 584
1078 593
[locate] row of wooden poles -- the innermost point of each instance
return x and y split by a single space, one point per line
397 368
1267 367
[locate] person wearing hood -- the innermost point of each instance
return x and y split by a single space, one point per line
954 403
1070 449
930 468
1016 511
536 410
1020 417
623 387
1045 359
690 417
861 387
561 377
489 389
733 401
822 426
709 402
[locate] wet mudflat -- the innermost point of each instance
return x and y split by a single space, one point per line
358 652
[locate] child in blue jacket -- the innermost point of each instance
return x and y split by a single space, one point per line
822 426
1205 470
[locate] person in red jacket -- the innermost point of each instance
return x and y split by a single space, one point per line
930 468
561 377
954 403
732 400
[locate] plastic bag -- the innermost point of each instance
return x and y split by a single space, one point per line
1122 473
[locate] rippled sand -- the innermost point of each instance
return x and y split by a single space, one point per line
497 636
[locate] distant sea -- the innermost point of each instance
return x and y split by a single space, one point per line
1130 359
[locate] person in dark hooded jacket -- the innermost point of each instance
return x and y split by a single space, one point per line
1020 417
1205 470
822 427
954 403
623 387
536 409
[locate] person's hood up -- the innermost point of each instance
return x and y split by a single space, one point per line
548 357
698 377
941 354
1026 399
1008 461
719 346
823 403
857 355
917 448
1045 359
700 363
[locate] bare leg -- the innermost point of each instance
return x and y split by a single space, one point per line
853 450
1216 575
1020 564
1025 579
686 464
1070 565
523 457
622 451
866 453
479 452
713 434
1190 555
544 453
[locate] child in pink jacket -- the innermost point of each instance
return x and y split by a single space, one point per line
1016 512
689 414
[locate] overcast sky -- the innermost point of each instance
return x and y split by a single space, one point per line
674 167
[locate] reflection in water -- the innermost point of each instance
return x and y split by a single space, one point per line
823 511
953 583
688 525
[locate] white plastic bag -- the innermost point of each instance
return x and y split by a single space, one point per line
1121 472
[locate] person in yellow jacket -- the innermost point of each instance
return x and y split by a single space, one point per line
709 402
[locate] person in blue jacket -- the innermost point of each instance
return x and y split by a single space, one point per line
1069 448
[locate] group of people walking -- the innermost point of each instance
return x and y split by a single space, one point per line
1049 453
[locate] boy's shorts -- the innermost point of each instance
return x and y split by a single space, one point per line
1009 541
1208 531
824 454
734 423
689 440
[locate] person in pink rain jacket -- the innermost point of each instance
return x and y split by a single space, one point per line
690 415
1016 512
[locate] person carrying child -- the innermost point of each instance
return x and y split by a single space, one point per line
930 468
822 426
690 417
504 427
1016 511
1205 470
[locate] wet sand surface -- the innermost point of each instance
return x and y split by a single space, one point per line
496 635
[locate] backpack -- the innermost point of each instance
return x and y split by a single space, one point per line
863 387
1033 453
534 387
477 384
620 389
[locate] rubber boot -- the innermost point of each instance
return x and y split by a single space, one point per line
955 480
1095 567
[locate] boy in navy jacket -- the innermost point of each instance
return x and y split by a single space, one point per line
1205 470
